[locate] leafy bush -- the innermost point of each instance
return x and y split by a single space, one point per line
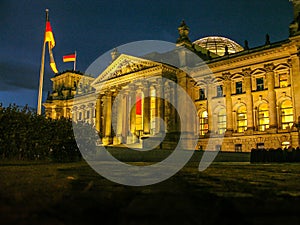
27 136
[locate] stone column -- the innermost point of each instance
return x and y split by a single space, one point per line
74 114
90 109
167 107
108 110
187 120
229 119
208 104
172 108
255 118
295 85
119 113
146 109
98 113
125 116
160 105
271 96
249 100
132 113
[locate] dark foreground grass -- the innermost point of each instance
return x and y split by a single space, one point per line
226 193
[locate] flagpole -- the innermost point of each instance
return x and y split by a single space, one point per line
40 95
75 61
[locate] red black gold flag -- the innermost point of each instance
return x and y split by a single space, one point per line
49 37
52 62
69 58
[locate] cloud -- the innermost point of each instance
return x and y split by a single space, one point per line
15 76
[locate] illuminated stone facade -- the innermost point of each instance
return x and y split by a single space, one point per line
251 101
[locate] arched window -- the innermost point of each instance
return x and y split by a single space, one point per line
241 119
203 123
222 121
286 114
263 117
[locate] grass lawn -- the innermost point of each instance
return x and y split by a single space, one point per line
226 193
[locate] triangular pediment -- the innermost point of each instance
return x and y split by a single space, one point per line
124 65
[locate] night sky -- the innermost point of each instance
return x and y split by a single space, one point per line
94 27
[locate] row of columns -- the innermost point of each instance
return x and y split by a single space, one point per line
125 117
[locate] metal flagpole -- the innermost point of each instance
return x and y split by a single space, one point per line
40 96
75 61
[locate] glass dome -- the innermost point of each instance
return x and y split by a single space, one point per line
217 45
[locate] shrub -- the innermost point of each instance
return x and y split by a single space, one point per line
27 136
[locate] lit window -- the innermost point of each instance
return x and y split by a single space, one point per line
283 80
238 147
260 145
201 94
259 84
239 87
263 117
286 113
222 121
241 119
219 91
203 123
285 144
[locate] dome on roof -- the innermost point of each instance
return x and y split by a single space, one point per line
217 45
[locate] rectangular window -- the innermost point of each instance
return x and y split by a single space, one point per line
283 80
87 114
239 87
238 147
260 145
259 84
287 117
201 94
219 91
241 121
203 119
222 121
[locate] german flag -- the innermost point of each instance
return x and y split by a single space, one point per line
49 37
69 58
52 62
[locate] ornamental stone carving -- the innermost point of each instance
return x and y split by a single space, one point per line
246 72
269 67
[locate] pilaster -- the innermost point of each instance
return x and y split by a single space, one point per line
249 100
108 111
228 91
271 97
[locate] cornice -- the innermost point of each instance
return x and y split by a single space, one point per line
255 55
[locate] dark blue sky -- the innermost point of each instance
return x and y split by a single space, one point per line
93 27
